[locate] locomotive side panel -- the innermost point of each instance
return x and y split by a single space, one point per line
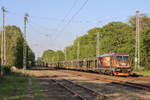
106 61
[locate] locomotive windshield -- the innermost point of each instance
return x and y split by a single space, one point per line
122 57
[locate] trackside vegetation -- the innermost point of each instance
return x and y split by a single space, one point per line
145 72
14 48
14 86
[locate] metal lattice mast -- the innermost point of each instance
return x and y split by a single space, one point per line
3 41
66 53
137 47
138 31
4 37
53 59
97 46
78 50
25 45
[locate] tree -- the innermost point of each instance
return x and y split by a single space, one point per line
48 56
144 38
52 56
30 58
114 37
14 47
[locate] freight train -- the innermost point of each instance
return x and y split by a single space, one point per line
118 64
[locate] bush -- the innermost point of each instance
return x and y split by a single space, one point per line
6 69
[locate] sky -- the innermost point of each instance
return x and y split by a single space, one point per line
54 24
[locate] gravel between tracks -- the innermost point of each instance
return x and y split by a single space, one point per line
84 92
53 91
116 92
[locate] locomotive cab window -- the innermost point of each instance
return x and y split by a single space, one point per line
119 57
126 57
122 57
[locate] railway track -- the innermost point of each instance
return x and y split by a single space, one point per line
55 91
72 92
113 80
134 85
82 92
126 83
118 81
141 78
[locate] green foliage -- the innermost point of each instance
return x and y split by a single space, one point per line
144 22
145 72
60 55
144 39
13 87
6 69
48 56
114 37
30 58
51 56
14 47
145 50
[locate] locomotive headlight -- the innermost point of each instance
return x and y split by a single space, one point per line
129 70
123 64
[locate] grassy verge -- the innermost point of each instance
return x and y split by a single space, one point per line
36 91
145 73
13 87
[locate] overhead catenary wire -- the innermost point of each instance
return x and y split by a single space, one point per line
74 4
74 15
68 13
84 4
55 30
48 29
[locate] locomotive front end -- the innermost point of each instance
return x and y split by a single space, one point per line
122 64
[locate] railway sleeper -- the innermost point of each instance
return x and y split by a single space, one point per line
133 85
93 93
72 92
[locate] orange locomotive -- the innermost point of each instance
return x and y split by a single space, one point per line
114 63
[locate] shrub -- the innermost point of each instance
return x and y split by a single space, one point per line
6 69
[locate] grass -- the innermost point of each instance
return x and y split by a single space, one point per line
145 73
36 91
15 87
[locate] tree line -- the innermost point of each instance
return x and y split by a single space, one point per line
14 48
114 37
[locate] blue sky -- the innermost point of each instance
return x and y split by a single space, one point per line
47 27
